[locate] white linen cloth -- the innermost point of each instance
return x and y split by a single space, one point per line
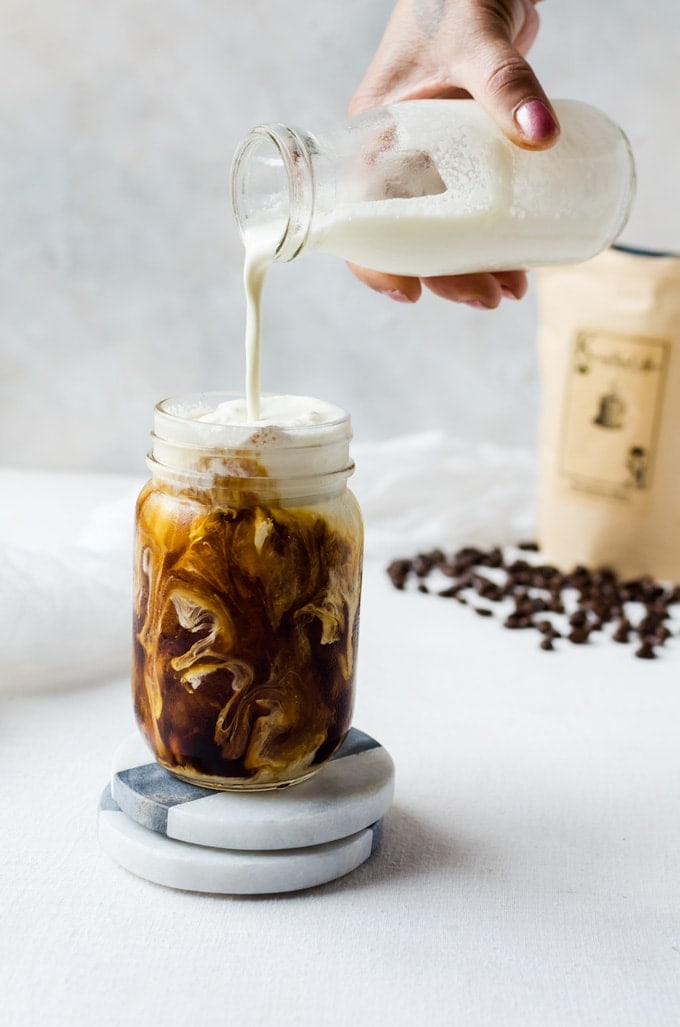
529 868
66 544
65 577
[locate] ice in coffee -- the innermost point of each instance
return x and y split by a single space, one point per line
247 583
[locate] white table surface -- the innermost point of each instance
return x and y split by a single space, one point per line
528 873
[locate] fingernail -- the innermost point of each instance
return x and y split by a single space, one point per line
395 294
535 121
476 304
508 292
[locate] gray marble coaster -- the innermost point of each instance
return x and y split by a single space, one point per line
198 868
353 791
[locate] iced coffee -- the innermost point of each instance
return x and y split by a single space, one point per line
247 584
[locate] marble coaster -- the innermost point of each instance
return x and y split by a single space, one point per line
176 864
352 791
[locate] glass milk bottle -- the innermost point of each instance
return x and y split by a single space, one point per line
432 187
248 558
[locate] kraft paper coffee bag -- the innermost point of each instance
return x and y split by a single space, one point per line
609 430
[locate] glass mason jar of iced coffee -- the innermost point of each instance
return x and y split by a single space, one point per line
248 558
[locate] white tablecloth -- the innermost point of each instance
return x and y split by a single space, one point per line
529 867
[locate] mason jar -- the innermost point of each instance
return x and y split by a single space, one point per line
247 578
432 187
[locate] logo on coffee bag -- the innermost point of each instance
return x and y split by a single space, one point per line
611 414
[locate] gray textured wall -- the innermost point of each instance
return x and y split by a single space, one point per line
120 267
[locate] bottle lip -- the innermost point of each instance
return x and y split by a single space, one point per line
293 149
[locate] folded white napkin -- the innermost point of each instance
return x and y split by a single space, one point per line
421 491
66 544
65 577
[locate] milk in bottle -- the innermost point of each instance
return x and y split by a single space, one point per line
432 187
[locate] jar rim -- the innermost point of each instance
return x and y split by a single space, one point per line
182 442
205 401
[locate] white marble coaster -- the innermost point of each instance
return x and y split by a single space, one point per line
226 872
353 791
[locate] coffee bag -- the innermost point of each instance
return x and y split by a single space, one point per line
609 428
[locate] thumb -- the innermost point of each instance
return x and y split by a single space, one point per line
503 82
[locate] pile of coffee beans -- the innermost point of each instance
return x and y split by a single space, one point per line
534 595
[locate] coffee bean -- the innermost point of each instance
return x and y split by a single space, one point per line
622 633
483 586
515 620
518 565
422 565
648 625
494 558
398 572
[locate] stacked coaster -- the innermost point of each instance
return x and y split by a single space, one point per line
246 843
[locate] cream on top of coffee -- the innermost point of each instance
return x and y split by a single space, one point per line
281 410
211 433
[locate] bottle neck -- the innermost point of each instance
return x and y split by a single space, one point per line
272 187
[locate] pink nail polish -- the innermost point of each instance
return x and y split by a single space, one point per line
395 294
535 121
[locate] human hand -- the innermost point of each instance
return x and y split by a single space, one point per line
461 48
